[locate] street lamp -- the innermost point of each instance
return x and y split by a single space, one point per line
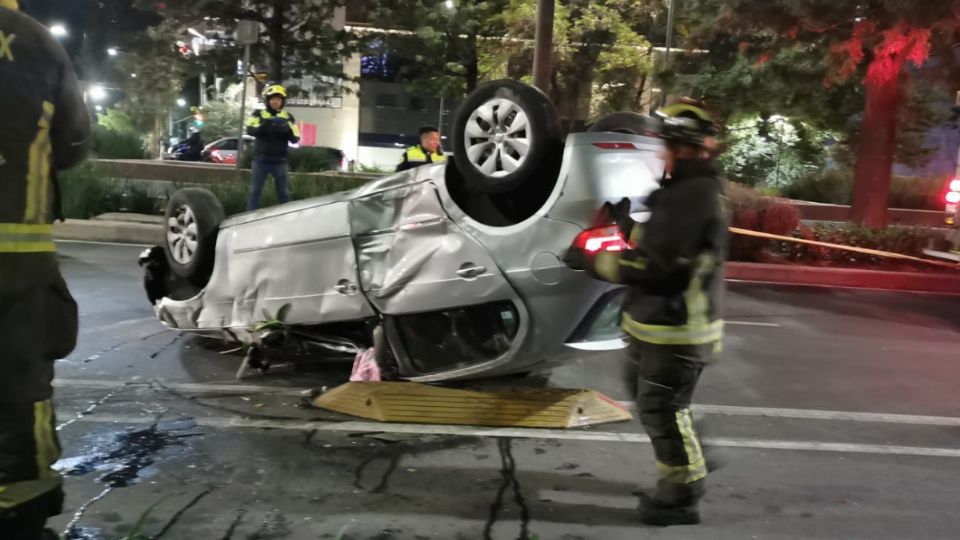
112 51
181 102
98 93
59 30
450 4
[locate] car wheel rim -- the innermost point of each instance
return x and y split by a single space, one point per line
182 235
498 137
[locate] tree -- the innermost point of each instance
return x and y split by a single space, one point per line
221 119
298 37
157 72
602 62
872 41
438 43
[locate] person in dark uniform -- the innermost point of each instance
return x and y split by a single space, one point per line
46 128
428 151
673 311
274 129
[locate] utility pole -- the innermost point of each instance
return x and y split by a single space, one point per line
543 54
248 33
671 19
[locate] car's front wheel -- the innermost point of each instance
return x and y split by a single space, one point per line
192 222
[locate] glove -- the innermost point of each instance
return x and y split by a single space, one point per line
622 210
576 259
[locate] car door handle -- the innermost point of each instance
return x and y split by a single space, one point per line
346 287
470 271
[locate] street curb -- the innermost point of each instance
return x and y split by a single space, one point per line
844 277
91 230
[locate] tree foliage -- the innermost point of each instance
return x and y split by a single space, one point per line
154 82
432 46
298 37
841 63
602 63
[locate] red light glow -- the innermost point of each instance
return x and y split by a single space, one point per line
604 239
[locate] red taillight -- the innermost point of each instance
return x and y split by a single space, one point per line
616 146
953 197
603 239
955 185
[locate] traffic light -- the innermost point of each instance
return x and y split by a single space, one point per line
198 117
184 49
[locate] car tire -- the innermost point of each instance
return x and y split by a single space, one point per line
624 122
504 134
192 221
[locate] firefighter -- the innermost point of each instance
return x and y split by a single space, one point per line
674 271
46 128
428 151
274 129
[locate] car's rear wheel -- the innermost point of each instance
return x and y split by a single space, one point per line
192 221
624 122
504 133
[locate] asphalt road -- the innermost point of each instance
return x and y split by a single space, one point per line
836 413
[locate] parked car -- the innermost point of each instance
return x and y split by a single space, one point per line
189 149
452 271
225 150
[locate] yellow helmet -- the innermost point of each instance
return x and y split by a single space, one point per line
274 90
9 4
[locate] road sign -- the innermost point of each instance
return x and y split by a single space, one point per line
248 32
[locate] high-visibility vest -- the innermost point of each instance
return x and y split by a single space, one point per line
416 154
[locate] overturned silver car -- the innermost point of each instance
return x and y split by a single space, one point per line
452 271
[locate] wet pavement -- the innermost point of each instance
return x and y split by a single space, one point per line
835 414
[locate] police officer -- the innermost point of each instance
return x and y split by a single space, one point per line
674 272
428 151
274 130
45 128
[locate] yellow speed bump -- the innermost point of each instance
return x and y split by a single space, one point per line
403 402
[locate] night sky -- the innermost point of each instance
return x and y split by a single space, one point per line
94 25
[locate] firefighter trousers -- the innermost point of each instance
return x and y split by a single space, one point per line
38 325
667 378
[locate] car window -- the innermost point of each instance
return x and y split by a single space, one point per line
443 340
602 323
229 144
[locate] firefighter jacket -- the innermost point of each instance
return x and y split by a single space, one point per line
46 128
274 131
416 156
674 268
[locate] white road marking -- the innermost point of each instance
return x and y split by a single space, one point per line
184 388
814 414
227 388
221 422
121 244
749 323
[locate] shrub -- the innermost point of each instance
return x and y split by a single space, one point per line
86 192
831 186
307 159
904 240
835 186
112 144
751 210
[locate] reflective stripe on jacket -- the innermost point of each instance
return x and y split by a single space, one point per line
416 156
46 128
